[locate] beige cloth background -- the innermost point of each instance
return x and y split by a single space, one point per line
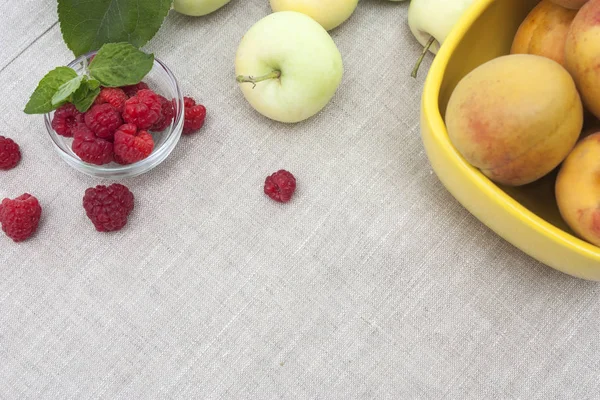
373 283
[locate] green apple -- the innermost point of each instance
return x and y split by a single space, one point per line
329 13
197 8
431 21
288 66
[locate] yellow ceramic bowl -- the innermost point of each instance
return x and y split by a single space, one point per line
526 216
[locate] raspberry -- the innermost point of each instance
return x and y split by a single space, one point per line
108 206
166 115
194 115
114 96
20 216
65 118
143 109
89 148
131 90
103 120
132 145
280 186
10 153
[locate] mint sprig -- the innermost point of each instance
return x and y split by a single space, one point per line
41 99
114 65
87 25
65 90
84 97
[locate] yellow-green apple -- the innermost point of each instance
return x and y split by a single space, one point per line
288 66
431 21
329 13
196 8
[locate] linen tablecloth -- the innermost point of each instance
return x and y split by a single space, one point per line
372 283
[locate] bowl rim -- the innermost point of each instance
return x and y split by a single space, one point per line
430 101
157 156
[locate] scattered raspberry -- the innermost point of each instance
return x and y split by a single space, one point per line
143 109
114 96
89 148
166 115
65 118
103 120
20 216
10 153
132 90
131 145
280 186
108 206
194 115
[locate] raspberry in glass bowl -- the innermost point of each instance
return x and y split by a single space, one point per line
126 132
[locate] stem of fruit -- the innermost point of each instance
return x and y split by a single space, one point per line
422 56
250 79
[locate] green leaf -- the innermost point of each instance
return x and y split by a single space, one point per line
88 24
120 64
40 101
93 84
65 90
84 97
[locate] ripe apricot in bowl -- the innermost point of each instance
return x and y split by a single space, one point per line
505 119
544 31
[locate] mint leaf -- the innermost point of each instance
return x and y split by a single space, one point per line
65 90
40 101
93 84
120 64
84 97
87 25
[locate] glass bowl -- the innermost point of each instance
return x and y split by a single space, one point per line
162 81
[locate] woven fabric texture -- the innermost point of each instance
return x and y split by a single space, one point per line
372 283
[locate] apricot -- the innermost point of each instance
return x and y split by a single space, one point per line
515 117
544 31
577 189
582 50
572 4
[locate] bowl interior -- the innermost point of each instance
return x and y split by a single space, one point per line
479 44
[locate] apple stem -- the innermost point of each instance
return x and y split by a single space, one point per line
250 79
422 56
